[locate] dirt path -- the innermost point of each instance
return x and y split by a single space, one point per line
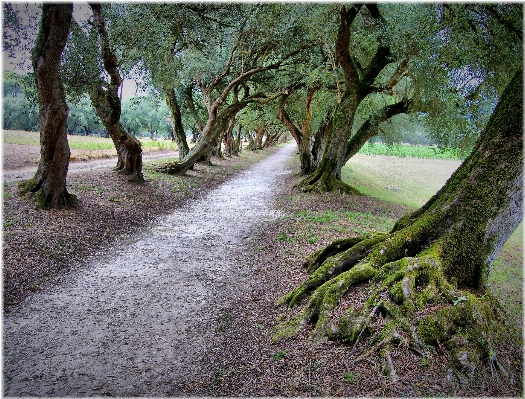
139 322
17 167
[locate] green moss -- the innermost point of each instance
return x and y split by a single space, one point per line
288 328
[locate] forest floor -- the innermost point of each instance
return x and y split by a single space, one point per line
94 306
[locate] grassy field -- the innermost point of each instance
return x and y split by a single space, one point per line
87 143
412 151
412 182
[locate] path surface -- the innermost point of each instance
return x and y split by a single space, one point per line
16 169
135 323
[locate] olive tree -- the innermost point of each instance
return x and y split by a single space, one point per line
49 182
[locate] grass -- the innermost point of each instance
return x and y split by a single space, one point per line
409 182
412 151
87 143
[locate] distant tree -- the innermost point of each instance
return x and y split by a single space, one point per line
82 118
241 55
49 182
20 107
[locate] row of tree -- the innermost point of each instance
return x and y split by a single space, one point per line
240 67
333 75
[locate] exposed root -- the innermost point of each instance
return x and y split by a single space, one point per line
335 265
330 185
172 168
324 181
410 303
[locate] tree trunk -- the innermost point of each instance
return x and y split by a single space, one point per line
49 182
429 276
178 130
320 138
129 148
257 141
238 141
106 101
229 141
301 136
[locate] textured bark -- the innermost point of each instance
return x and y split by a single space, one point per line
481 204
238 141
178 130
428 277
49 182
301 136
107 104
229 141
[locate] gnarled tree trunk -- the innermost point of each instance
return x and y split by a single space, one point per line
428 277
327 176
49 182
107 105
301 136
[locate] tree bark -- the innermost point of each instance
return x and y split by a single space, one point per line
429 276
49 182
229 141
106 101
301 136
178 130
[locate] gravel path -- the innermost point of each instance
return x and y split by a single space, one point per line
137 322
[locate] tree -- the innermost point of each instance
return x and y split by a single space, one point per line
107 103
84 74
302 135
359 84
428 278
82 118
49 182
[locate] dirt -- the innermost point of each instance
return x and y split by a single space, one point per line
20 161
133 322
169 289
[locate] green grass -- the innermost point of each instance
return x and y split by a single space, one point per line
369 222
316 217
412 151
410 182
81 142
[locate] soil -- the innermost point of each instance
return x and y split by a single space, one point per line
169 289
20 161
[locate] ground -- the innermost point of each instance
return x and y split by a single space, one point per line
242 360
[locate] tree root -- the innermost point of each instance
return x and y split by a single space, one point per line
410 303
324 182
172 168
327 268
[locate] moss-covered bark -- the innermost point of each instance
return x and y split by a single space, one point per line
49 182
426 280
